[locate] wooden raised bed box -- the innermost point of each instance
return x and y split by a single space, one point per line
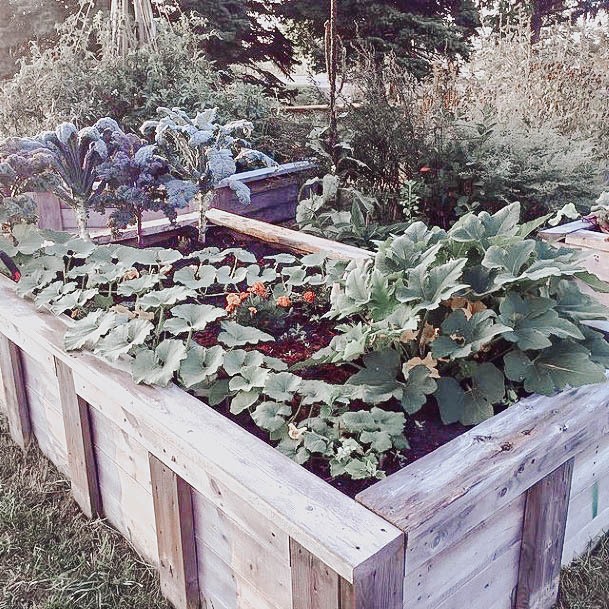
483 522
274 198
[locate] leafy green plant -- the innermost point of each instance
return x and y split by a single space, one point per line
470 319
475 317
65 161
204 151
134 180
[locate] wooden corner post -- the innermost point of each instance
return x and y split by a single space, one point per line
173 515
377 584
79 439
15 395
543 535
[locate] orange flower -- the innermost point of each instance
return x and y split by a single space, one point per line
259 289
284 302
252 310
243 296
309 297
232 302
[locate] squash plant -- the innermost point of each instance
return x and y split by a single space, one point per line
475 317
206 152
468 319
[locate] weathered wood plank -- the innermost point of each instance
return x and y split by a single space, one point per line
439 578
81 457
294 240
15 395
588 240
128 506
49 210
175 536
254 556
556 233
442 496
380 583
314 584
545 519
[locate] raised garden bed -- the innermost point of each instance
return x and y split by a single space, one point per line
274 197
484 521
580 235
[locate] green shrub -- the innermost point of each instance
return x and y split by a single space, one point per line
81 79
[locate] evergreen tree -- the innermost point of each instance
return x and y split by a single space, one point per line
245 34
414 30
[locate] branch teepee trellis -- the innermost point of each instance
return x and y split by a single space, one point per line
132 24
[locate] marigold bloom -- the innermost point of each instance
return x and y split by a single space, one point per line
284 302
309 297
233 300
259 289
243 296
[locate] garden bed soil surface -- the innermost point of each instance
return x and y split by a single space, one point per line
424 431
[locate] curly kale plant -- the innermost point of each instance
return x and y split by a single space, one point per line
206 152
65 161
475 317
17 181
134 180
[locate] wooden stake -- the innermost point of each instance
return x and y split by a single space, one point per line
81 454
545 519
175 536
15 395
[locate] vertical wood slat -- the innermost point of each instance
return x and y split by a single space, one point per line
316 586
79 440
545 519
173 513
15 395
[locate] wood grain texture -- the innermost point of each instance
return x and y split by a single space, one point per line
49 211
175 536
449 492
438 579
14 391
314 584
81 457
543 535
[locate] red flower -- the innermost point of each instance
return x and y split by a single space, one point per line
309 297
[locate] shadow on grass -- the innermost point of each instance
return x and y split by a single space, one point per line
51 556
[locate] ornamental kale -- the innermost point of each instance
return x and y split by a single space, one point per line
134 180
205 152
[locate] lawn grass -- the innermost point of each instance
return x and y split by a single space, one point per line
51 556
585 584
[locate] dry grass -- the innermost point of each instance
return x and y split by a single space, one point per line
585 584
51 557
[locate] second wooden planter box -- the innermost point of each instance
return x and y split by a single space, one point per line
274 197
483 522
